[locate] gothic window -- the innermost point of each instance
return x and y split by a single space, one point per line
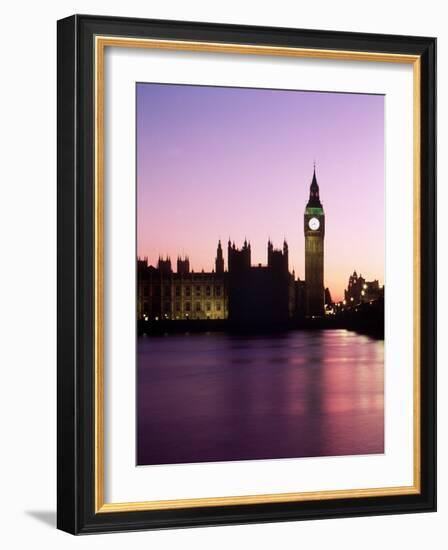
187 306
218 306
177 306
198 306
207 290
198 291
218 291
187 291
209 307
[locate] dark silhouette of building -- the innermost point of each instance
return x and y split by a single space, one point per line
260 295
299 298
314 228
219 261
183 265
360 291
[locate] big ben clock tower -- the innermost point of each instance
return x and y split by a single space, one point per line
314 227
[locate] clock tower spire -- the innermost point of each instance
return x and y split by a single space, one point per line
314 228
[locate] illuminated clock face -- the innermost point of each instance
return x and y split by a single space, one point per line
313 224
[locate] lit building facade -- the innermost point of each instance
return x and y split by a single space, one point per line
163 294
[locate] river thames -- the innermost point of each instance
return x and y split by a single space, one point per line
214 397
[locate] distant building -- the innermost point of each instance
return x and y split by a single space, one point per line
360 291
328 299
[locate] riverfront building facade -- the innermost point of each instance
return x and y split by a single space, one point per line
242 293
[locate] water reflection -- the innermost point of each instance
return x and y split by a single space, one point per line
219 397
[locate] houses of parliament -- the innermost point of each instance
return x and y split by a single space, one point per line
243 294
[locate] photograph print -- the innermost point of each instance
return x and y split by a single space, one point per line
260 274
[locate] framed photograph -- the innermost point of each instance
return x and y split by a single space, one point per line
246 274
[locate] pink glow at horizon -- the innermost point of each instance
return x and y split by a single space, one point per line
214 163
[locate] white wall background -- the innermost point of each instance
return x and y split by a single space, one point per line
28 272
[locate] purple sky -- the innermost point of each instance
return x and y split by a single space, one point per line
219 162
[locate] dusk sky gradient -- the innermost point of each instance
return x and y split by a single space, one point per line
214 163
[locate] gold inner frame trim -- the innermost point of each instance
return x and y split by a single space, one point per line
101 42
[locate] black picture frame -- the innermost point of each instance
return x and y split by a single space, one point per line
76 285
